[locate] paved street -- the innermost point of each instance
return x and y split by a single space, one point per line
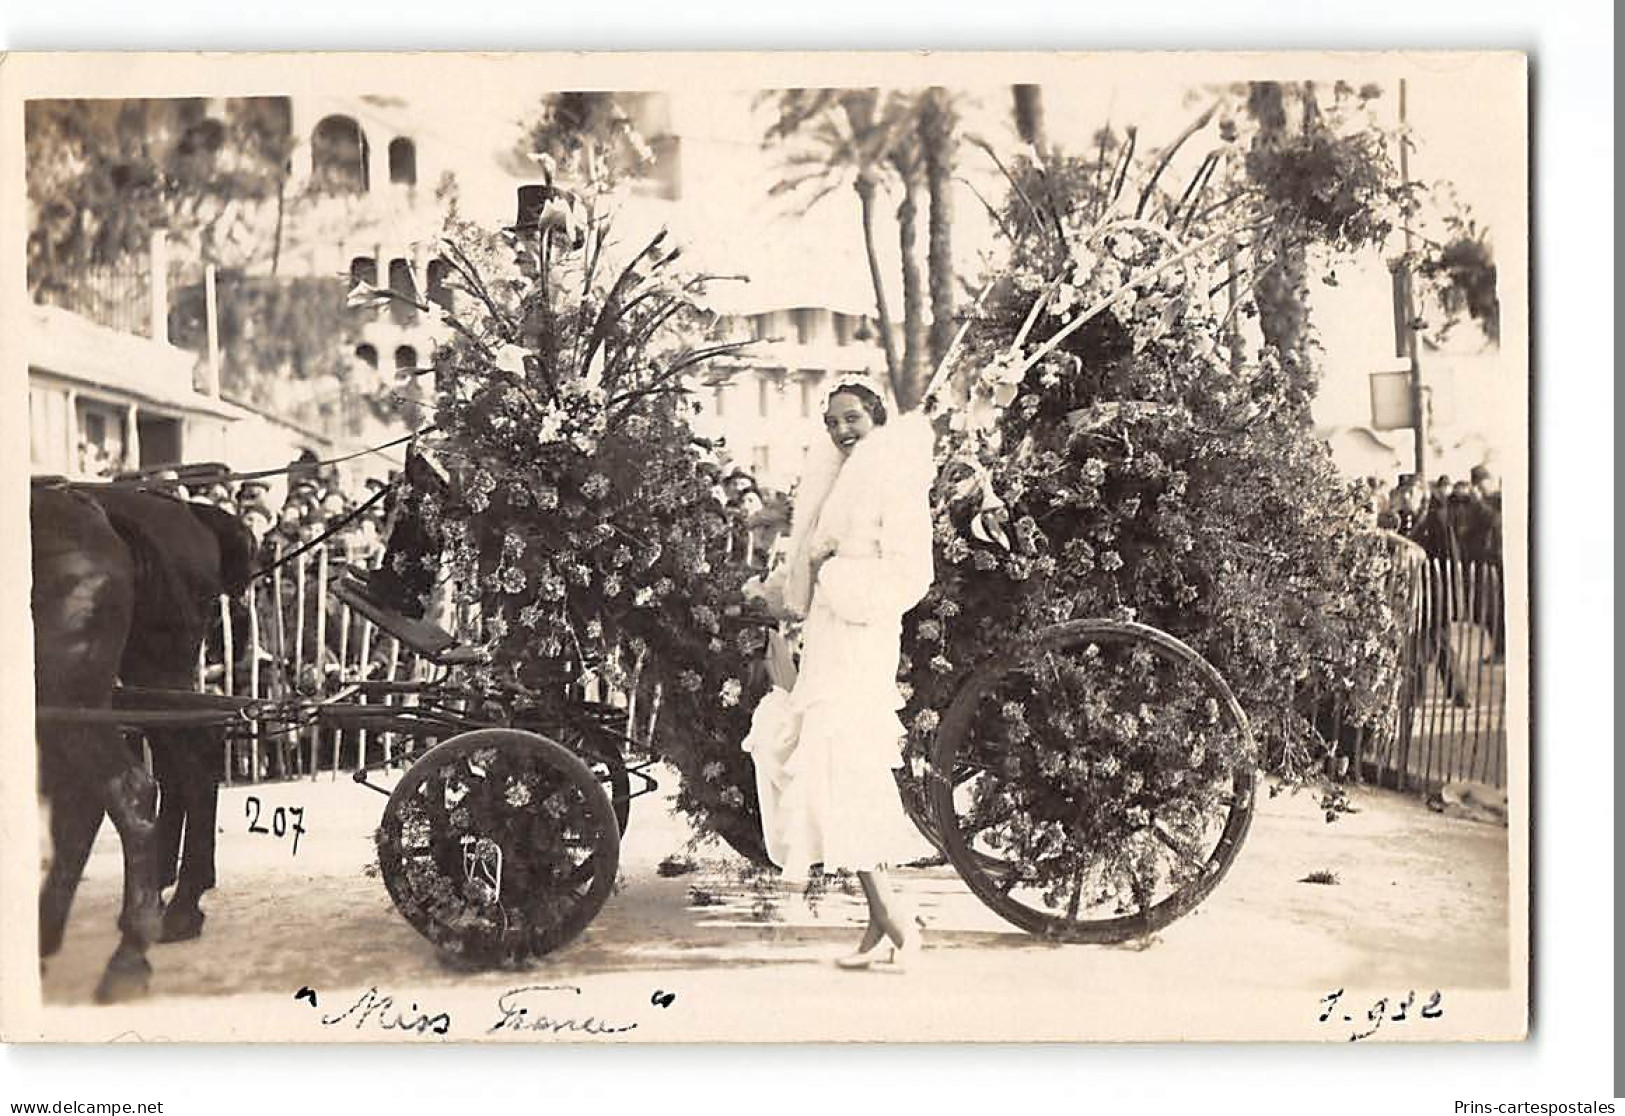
1420 904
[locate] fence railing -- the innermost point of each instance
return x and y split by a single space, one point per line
116 296
1447 721
288 638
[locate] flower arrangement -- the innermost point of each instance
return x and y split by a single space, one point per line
1122 457
579 530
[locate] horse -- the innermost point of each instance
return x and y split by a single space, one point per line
124 586
185 555
83 599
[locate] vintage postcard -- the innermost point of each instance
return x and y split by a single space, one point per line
766 547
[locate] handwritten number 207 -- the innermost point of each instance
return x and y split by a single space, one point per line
280 820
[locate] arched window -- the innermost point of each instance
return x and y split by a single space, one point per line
338 157
439 293
403 162
202 139
400 278
402 283
367 355
406 357
364 269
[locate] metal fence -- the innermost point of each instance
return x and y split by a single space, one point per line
117 296
1447 721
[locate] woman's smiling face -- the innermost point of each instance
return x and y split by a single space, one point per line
847 420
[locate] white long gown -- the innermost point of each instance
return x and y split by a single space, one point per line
825 751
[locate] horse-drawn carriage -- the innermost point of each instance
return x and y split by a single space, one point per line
499 841
1089 779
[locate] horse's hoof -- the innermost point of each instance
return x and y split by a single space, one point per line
181 925
127 982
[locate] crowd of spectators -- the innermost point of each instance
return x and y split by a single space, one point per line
1458 524
1455 520
315 501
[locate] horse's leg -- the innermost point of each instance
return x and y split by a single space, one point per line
171 812
83 599
191 754
129 800
75 818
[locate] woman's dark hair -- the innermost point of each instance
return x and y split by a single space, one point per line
871 402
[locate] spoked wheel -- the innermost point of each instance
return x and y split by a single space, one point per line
600 749
499 846
1095 783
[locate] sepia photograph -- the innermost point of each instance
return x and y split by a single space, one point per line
761 548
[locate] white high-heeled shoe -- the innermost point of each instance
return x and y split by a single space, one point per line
863 958
902 954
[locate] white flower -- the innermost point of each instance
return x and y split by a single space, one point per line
732 689
511 359
551 425
1126 248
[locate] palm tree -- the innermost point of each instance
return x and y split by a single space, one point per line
1282 282
936 118
906 157
873 141
840 142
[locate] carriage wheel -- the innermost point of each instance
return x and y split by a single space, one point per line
499 846
1095 783
600 749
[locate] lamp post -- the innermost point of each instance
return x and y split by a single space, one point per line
1418 401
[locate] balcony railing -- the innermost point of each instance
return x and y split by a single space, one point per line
118 296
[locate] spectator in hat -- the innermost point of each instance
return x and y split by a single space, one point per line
334 504
289 525
252 492
303 468
257 518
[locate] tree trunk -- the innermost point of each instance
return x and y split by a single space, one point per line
1281 285
281 212
865 187
936 148
859 106
909 385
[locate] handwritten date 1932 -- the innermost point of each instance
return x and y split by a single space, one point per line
1378 1013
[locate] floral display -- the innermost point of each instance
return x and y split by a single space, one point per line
1117 455
1120 458
579 530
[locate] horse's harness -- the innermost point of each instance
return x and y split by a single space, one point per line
213 473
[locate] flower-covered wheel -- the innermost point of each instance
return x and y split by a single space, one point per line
1094 783
600 747
499 846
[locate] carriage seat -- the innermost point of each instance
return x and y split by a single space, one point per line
422 637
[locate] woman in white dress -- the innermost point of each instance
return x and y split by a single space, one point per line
825 748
